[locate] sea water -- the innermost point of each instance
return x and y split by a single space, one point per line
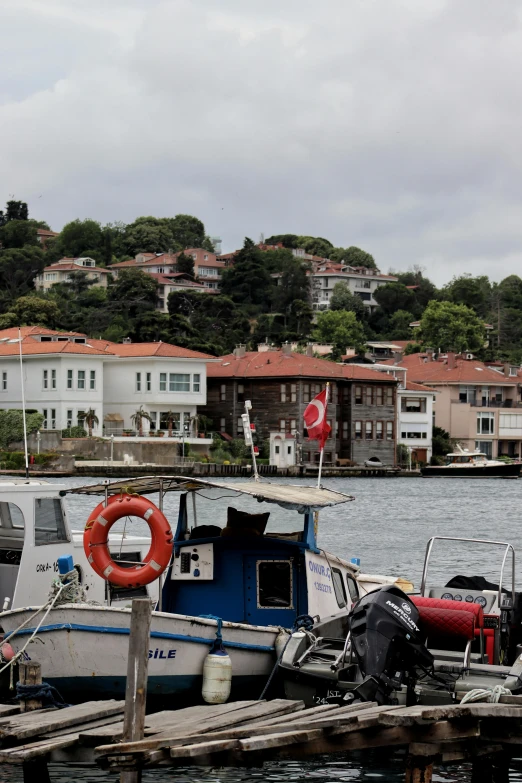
387 526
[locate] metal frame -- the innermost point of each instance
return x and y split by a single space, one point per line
507 547
290 562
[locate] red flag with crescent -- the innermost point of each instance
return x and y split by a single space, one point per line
315 418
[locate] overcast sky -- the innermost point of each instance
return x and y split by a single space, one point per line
394 125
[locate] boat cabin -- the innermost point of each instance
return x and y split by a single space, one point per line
466 458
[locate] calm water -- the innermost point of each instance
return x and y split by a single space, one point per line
387 526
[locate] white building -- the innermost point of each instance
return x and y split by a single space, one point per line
66 374
360 281
61 271
208 268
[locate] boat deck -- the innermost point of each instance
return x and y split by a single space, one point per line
251 732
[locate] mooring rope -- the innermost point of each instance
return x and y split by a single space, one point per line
491 695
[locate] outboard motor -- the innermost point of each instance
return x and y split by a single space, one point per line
387 642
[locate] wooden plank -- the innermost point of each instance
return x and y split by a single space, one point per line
59 719
278 740
115 720
9 709
453 711
204 748
36 749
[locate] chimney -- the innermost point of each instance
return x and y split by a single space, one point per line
397 357
310 350
506 370
239 351
429 354
451 361
287 349
126 340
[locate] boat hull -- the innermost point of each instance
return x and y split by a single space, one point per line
84 652
506 470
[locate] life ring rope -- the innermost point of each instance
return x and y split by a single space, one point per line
96 540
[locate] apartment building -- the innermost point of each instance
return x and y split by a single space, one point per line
360 281
67 373
207 266
281 383
62 271
476 403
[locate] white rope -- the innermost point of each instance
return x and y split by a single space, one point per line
491 695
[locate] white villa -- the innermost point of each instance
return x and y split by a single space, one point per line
360 280
60 272
68 373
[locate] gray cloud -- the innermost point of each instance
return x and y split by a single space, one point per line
390 124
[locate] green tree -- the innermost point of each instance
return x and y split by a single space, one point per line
474 292
248 280
277 260
451 327
441 443
394 296
150 235
18 268
12 425
210 323
30 311
423 289
343 299
185 263
294 284
89 418
15 210
290 241
77 237
134 292
400 328
353 256
340 328
18 233
187 231
315 246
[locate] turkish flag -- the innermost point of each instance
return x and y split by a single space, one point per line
315 418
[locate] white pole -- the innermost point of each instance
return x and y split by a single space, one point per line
247 434
322 448
23 404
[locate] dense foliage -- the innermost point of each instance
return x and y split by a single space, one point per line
266 295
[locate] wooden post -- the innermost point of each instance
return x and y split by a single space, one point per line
137 667
30 674
419 769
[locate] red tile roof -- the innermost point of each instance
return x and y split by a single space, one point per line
277 364
33 347
465 371
12 333
69 266
156 349
410 386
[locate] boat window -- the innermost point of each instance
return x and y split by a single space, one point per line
338 586
352 588
49 522
11 516
274 584
116 593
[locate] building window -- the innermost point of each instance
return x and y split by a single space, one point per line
467 394
223 392
92 380
138 381
282 425
149 381
485 423
378 430
4 381
345 430
358 430
240 392
53 379
358 395
485 447
413 404
179 382
222 425
293 392
346 394
368 433
410 434
389 430
45 382
283 392
69 379
196 382
81 379
53 418
69 419
369 395
163 381
293 427
513 372
240 429
379 400
80 418
389 395
44 414
306 392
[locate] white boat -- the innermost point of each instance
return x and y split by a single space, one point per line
255 581
463 463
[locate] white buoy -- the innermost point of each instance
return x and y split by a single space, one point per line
281 641
217 677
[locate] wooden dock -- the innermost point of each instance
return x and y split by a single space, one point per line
252 732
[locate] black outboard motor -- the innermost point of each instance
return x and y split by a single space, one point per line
387 641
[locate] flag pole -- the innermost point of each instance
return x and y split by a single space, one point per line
23 404
322 445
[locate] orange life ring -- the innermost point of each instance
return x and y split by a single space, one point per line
96 541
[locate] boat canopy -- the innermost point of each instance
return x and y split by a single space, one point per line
286 495
467 454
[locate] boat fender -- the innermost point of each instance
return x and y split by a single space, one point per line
281 641
7 652
217 671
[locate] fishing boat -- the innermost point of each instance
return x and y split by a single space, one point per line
472 464
445 645
243 564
